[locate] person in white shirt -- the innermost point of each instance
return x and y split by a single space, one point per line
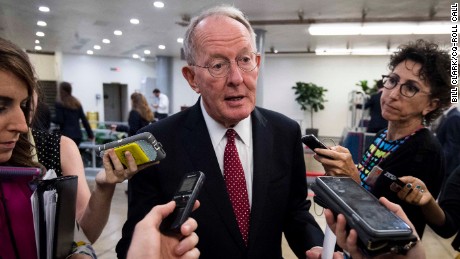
161 105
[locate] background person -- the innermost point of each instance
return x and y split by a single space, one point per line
416 92
377 122
140 114
448 134
161 104
246 205
69 113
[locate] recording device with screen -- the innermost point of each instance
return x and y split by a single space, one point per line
144 148
380 181
185 198
379 229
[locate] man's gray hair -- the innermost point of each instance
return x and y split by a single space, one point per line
222 10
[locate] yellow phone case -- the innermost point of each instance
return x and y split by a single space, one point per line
139 156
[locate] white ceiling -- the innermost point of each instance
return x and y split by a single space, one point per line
75 26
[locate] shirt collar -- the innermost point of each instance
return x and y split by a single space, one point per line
217 131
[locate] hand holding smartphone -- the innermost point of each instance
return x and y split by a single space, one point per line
379 229
313 142
185 198
144 148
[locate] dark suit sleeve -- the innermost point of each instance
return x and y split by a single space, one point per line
88 129
301 229
449 201
451 146
143 195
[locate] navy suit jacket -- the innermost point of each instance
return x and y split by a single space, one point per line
279 188
448 134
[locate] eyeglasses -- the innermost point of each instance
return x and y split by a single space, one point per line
407 89
220 67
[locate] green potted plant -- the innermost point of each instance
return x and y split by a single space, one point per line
311 98
366 88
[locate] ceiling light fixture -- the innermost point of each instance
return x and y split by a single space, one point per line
382 28
118 32
37 42
38 47
135 56
357 51
158 4
41 23
147 52
40 34
161 46
89 52
134 21
180 40
97 47
106 41
44 9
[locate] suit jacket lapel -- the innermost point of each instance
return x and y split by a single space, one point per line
198 145
262 138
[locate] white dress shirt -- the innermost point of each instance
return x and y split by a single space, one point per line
243 144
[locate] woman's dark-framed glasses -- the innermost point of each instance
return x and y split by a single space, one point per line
407 89
220 67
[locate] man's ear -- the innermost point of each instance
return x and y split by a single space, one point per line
189 75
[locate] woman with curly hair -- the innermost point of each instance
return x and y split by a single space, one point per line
140 115
416 91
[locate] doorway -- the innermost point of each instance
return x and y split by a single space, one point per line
115 102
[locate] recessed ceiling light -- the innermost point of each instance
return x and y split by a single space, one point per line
40 34
158 4
117 32
106 41
89 52
41 23
97 47
38 47
134 21
161 46
180 40
147 52
44 9
142 59
37 42
135 56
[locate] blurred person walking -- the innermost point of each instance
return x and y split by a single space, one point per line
161 104
69 112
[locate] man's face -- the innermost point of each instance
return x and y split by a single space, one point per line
231 98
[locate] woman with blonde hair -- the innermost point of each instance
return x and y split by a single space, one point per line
140 115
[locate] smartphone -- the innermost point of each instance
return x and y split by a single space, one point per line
185 197
313 142
379 229
144 148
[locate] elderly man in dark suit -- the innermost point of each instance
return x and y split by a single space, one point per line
253 159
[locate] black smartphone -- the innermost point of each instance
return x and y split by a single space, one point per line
313 142
185 198
379 229
143 146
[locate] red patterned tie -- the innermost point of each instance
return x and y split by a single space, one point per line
236 184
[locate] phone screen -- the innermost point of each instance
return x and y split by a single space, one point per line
188 184
376 216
